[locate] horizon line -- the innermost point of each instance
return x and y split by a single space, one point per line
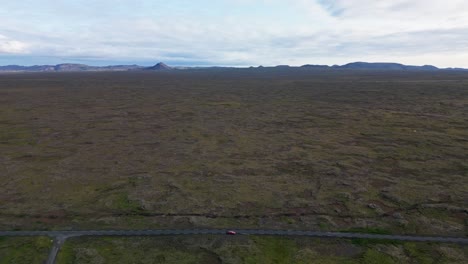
230 66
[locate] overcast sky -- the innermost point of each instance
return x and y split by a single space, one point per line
234 32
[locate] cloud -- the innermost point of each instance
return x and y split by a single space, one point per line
240 32
9 46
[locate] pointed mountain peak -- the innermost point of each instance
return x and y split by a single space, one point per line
160 66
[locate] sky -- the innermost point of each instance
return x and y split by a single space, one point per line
234 32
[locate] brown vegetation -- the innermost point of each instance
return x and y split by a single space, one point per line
297 148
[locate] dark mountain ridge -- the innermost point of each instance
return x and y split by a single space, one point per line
159 67
71 67
386 66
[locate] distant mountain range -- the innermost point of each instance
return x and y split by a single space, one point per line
387 66
69 67
382 66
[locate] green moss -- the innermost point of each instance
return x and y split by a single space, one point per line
420 253
130 250
24 250
273 250
372 256
212 249
66 254
15 136
125 205
369 230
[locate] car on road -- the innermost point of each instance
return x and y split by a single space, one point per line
230 232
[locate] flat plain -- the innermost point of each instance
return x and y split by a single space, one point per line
253 250
24 250
247 148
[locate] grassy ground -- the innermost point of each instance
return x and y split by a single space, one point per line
252 249
276 149
24 250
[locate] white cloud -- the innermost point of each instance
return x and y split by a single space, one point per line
242 32
9 46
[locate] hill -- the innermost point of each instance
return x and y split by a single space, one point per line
386 66
159 67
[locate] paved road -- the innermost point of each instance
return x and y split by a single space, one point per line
162 232
61 236
58 242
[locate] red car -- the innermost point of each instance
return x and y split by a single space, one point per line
230 232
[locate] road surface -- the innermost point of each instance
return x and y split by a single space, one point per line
61 236
163 232
58 242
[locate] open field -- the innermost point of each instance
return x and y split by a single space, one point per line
306 149
252 249
24 250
